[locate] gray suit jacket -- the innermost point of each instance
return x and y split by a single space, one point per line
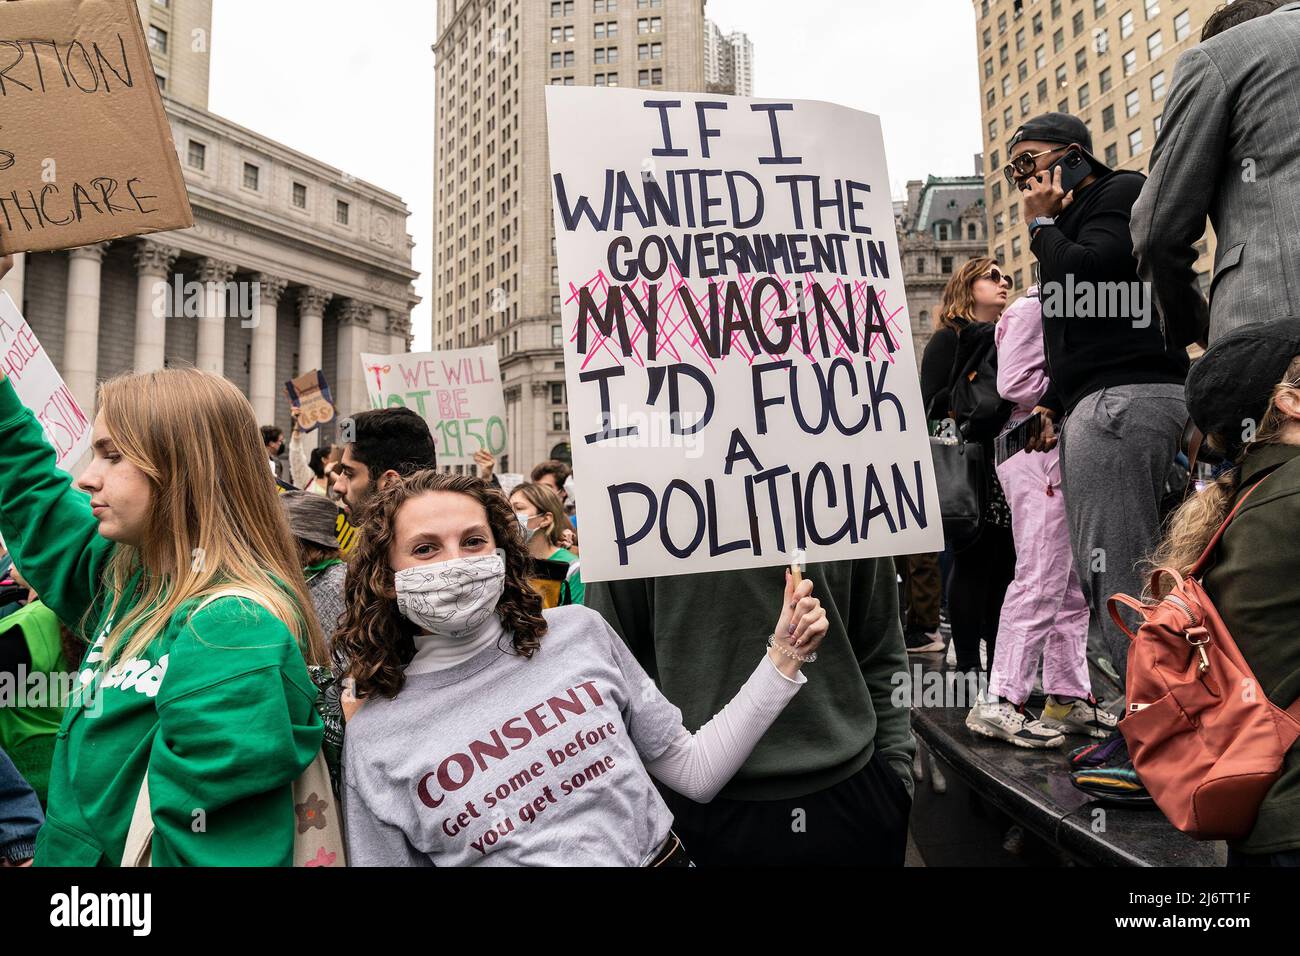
1229 148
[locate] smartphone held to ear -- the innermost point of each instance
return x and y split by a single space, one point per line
1074 167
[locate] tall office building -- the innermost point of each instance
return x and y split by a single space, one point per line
496 278
291 265
728 61
1109 62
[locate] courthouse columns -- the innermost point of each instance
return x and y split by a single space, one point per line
153 266
398 325
311 325
261 366
211 352
81 338
354 338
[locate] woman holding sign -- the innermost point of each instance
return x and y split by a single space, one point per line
192 704
491 732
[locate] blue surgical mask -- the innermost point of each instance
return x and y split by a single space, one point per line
526 531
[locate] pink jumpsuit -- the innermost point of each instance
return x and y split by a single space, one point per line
1044 615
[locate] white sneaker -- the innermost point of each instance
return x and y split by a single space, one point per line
1004 722
1079 717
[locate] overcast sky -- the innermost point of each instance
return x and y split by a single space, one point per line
352 83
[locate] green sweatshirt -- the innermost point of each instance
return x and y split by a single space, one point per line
27 733
218 710
697 634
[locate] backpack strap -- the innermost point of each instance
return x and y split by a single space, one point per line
1204 559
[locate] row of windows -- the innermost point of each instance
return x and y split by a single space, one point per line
607 55
654 77
196 157
1132 101
564 8
607 30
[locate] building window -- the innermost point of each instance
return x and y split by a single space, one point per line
1158 86
920 265
1135 142
341 212
1077 22
648 4
1020 39
1132 103
1042 91
157 39
1099 7
559 421
1006 86
1024 105
1062 77
650 25
1022 71
1003 54
1080 61
1058 41
988 39
998 226
1112 155
1108 118
1037 23
162 81
555 304
945 265
997 191
1015 246
197 155
990 96
1152 8
970 231
649 51
1085 96
1040 57
1015 213
252 175
942 231
563 8
1159 121
1008 117
1130 62
649 77
300 195
993 128
988 68
605 6
1002 23
557 393
1103 81
1056 9
557 336
1155 45
1182 26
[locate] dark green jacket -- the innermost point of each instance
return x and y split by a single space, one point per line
700 635
1255 584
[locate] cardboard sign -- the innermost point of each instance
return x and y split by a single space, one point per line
458 392
737 348
86 152
41 387
310 394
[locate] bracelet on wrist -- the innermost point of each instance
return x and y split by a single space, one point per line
771 642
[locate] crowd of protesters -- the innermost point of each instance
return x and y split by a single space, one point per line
227 639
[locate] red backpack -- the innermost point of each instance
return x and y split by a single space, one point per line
1204 739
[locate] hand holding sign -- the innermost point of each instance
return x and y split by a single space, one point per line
800 628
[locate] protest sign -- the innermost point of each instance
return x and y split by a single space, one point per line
738 350
86 152
458 392
40 387
310 394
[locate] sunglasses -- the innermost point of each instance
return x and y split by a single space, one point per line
1026 164
998 277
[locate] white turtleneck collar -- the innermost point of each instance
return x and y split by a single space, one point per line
433 653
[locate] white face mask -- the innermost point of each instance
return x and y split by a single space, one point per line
451 597
526 531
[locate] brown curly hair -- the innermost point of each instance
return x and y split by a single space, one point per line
374 642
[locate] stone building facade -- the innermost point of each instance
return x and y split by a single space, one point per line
940 225
291 264
496 277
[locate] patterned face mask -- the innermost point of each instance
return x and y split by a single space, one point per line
452 597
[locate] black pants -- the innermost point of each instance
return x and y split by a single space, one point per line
861 821
981 574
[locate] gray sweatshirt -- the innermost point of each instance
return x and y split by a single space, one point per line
534 762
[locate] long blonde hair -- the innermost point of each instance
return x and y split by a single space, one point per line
215 521
958 300
1193 525
546 501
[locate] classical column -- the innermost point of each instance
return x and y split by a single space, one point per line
211 353
153 267
399 332
354 338
81 340
512 395
262 387
541 419
311 321
13 282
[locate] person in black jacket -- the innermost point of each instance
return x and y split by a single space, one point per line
981 572
1117 383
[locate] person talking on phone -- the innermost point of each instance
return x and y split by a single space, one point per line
1117 387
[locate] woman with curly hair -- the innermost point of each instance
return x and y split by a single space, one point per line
493 733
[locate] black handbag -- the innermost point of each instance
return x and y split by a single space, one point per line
961 476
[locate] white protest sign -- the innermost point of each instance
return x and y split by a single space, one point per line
41 387
738 349
458 392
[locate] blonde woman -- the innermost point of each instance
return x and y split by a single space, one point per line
208 700
543 524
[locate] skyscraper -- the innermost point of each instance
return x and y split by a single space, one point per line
1109 62
496 278
728 61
